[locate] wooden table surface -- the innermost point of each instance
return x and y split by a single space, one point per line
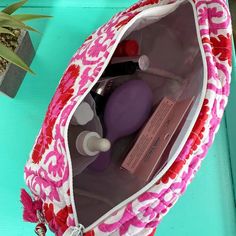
206 209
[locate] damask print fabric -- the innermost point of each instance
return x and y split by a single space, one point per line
47 172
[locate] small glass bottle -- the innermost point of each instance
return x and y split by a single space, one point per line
90 144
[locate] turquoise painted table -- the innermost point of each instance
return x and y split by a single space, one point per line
206 209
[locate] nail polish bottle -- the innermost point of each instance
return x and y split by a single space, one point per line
127 48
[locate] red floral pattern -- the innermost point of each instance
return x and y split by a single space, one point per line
48 211
125 21
221 47
57 222
196 135
64 93
168 191
90 233
198 129
142 4
173 171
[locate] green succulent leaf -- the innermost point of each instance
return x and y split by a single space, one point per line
5 31
10 56
26 17
9 21
13 7
15 25
5 16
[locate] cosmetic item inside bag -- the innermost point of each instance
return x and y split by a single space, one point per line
171 44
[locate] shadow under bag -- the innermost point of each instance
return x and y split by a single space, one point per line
188 44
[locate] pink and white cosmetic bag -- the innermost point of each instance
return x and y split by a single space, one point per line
187 39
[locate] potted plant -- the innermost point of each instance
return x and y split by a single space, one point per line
16 49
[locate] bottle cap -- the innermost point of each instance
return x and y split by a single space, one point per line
131 48
102 88
144 62
91 144
127 48
83 114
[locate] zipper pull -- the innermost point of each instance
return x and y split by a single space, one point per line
40 229
75 231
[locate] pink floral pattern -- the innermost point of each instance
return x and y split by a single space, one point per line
64 93
47 171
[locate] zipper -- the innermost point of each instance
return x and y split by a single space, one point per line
75 231
147 12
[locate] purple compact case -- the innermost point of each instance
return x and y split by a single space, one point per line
126 111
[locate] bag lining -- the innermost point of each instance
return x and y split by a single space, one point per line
198 101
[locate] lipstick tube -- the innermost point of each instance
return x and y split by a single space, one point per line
126 66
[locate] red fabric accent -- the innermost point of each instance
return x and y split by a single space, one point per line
142 4
198 129
125 21
221 47
30 207
48 211
173 171
90 233
58 221
64 93
127 48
